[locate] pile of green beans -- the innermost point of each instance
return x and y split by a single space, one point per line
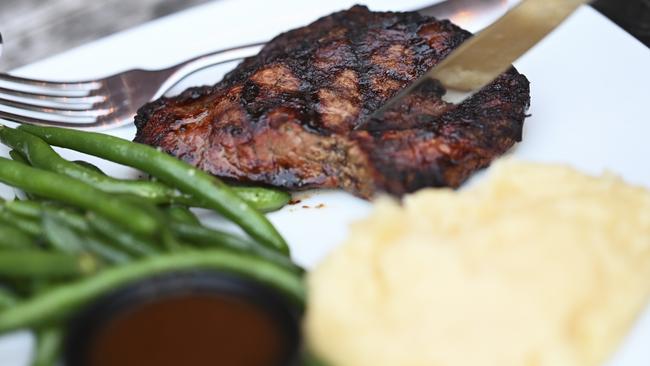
77 232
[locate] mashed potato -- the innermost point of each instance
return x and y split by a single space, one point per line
538 265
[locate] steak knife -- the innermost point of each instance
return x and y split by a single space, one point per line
488 54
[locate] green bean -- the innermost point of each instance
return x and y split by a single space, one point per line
74 221
18 157
60 236
182 214
89 166
39 264
263 199
103 249
35 209
90 242
25 224
167 238
175 172
75 225
201 235
124 240
39 285
42 156
7 298
71 218
210 238
30 209
14 239
49 341
170 242
60 302
76 193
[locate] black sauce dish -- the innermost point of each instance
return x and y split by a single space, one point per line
190 318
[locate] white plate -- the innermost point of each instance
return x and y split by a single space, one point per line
590 90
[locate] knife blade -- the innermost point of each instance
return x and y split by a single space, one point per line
472 15
485 56
448 8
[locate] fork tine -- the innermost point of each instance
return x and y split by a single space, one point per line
48 122
51 88
52 98
77 86
68 112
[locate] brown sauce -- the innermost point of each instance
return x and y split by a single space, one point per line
193 330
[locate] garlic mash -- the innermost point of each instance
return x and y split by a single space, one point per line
537 265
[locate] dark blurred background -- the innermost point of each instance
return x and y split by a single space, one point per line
35 29
631 15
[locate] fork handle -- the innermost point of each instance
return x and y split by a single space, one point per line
186 68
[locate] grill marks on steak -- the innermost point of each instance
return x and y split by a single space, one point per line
287 116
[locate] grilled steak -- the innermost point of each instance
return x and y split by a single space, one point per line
292 115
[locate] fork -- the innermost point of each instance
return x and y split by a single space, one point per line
108 102
114 100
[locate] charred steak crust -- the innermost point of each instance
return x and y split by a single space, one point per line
288 116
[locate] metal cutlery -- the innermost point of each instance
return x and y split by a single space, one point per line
112 101
101 103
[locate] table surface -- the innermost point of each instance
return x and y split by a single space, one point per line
34 29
